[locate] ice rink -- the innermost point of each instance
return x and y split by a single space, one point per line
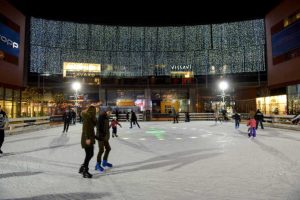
160 161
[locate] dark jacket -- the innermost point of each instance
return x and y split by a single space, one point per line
3 119
103 127
237 117
89 123
67 116
133 116
259 116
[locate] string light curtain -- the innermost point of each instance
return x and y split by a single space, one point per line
148 51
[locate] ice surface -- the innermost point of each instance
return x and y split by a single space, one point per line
161 161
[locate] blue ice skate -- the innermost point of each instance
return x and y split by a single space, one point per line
106 164
99 168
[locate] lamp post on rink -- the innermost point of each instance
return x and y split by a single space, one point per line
76 86
223 85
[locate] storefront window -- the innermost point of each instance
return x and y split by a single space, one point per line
1 96
272 105
294 99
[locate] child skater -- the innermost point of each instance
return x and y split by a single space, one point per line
237 119
252 126
113 124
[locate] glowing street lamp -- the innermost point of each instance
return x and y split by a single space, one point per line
76 86
223 85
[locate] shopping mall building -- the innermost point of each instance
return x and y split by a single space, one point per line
152 68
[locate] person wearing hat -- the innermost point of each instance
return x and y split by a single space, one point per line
102 136
114 124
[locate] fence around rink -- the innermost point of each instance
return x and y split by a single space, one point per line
27 123
35 123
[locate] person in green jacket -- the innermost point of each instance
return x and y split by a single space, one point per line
103 136
88 139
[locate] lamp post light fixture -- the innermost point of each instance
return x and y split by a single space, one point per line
44 75
76 86
223 85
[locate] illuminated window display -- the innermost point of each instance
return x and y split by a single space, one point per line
272 105
293 99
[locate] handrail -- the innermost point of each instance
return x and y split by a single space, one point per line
27 121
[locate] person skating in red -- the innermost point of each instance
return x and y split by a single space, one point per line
252 126
114 124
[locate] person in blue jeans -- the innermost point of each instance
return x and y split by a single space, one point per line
103 136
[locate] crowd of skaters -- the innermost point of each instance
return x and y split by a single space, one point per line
102 135
92 118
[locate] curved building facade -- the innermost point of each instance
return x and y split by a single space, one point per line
156 67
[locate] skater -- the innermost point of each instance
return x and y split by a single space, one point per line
187 117
117 114
80 117
252 126
103 139
259 117
88 139
134 120
237 119
217 117
127 116
175 116
3 125
73 115
67 117
296 119
114 124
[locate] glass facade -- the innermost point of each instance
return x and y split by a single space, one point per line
293 99
10 101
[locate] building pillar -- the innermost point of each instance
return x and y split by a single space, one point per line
148 103
103 96
192 100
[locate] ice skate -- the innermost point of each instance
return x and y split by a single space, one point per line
106 164
99 168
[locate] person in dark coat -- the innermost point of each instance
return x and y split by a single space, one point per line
259 117
187 117
237 119
73 114
102 137
3 123
127 116
67 117
175 115
117 114
88 139
133 119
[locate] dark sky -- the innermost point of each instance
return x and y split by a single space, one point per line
147 12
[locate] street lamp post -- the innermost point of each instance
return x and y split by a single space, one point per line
223 85
43 97
76 86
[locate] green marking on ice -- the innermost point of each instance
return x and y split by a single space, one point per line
158 133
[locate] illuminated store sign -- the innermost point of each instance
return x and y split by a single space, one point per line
9 40
181 67
71 69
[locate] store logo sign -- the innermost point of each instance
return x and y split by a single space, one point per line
181 67
9 42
